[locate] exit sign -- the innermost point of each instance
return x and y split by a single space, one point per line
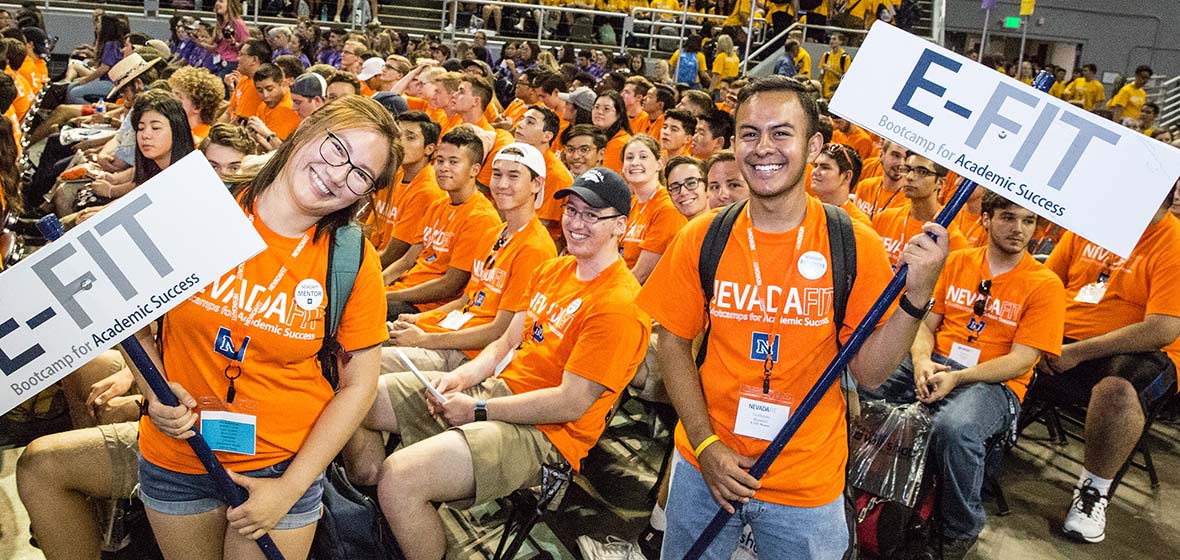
1012 22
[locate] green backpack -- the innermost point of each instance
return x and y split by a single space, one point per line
344 261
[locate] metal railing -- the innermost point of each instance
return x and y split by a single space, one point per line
683 15
772 50
1169 103
451 16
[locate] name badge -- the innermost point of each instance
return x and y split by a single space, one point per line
229 431
761 415
1091 293
964 354
455 320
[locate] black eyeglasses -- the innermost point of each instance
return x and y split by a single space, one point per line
985 291
690 184
921 171
980 307
359 181
588 217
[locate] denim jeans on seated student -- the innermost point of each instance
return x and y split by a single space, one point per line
816 533
963 422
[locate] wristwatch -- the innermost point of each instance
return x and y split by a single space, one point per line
481 411
912 310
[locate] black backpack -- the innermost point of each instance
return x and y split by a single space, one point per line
352 526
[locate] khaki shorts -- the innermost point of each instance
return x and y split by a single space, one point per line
504 457
649 379
122 443
424 359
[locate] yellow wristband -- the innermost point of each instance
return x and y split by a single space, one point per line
701 448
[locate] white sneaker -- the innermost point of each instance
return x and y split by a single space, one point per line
1086 519
613 549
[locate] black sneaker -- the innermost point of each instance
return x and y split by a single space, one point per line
650 542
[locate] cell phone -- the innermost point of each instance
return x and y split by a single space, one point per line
414 369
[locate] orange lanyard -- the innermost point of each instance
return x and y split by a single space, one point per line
771 354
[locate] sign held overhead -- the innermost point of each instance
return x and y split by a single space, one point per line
1084 173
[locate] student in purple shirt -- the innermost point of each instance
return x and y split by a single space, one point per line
97 85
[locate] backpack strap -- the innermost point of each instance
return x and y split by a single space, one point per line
345 253
842 248
711 249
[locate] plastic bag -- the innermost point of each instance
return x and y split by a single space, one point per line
889 445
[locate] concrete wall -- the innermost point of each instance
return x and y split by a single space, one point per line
1117 35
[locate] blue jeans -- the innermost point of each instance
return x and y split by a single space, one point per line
963 422
174 493
779 531
77 94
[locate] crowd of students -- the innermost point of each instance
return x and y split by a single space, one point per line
534 228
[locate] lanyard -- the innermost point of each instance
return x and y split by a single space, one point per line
490 262
877 194
769 361
234 369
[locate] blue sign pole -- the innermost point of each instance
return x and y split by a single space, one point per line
52 229
1042 82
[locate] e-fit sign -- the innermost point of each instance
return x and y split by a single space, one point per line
1084 173
116 273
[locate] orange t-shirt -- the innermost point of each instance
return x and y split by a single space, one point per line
567 321
1144 284
200 132
448 123
948 189
557 145
398 212
871 168
503 138
30 71
16 135
502 286
971 226
810 470
437 115
25 94
856 139
651 227
640 123
872 197
514 111
1027 306
490 113
656 125
282 119
612 157
245 100
450 239
557 177
856 213
281 382
896 228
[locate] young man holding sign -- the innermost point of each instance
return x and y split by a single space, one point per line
773 284
996 311
537 395
1119 359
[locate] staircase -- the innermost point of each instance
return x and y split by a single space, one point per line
416 17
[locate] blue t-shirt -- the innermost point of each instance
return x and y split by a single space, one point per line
111 55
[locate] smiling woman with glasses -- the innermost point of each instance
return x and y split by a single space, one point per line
282 421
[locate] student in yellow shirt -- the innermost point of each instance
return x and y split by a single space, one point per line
726 63
1086 91
803 58
833 64
1130 99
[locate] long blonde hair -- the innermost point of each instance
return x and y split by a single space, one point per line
725 45
349 112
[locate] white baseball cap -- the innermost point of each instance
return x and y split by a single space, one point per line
371 67
520 152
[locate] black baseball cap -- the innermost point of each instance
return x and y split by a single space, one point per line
600 188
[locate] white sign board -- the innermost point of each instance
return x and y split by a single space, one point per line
1084 173
116 273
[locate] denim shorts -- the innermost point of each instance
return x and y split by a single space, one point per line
190 494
